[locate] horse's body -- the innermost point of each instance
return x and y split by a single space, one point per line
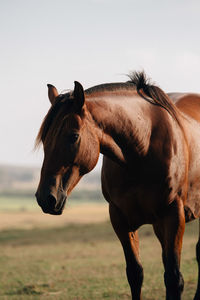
189 105
151 165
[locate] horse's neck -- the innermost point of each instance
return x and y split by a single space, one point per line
123 126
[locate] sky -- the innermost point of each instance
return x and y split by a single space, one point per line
93 42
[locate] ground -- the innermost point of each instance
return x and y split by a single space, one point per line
78 257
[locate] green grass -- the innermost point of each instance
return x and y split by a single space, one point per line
83 262
17 203
23 201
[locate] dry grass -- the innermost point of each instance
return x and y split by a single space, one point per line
82 213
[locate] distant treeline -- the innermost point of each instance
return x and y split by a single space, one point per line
21 182
10 175
87 195
77 195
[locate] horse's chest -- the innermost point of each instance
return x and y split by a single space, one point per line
143 203
140 203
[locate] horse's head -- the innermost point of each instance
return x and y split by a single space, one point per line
71 148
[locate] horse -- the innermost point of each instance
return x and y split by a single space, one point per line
150 143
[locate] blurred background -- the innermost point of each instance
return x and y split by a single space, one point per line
93 42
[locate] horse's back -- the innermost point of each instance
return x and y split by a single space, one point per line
189 104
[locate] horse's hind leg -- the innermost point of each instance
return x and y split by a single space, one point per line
130 244
170 231
197 295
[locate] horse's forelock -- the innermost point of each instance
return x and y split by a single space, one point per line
55 115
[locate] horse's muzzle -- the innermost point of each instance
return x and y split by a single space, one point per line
51 205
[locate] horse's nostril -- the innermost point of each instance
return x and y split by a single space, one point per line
51 202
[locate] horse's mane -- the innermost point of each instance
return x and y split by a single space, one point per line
153 93
110 87
138 81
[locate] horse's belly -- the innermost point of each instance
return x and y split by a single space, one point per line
192 205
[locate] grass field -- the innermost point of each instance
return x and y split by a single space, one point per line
24 213
82 262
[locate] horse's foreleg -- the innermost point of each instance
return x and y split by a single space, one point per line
170 231
130 244
197 295
134 269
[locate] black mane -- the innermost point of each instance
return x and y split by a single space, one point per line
110 87
152 93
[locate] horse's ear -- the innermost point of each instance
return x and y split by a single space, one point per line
79 96
52 93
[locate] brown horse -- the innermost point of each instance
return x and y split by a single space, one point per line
151 165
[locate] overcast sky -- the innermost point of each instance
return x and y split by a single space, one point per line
92 41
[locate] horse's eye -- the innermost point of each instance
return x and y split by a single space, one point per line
72 138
